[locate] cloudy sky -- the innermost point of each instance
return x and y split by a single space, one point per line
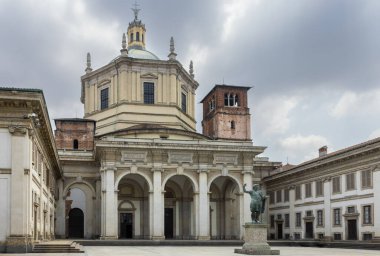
314 65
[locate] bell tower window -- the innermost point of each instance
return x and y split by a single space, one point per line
137 36
148 93
184 102
131 37
233 125
142 38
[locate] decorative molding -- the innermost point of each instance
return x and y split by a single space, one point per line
17 130
149 76
136 156
248 172
203 170
174 157
225 159
354 197
157 169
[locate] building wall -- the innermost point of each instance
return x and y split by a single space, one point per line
69 130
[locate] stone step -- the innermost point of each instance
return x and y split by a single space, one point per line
58 247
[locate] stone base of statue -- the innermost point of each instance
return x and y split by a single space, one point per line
256 241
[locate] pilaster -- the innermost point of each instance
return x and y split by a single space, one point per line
157 209
204 208
292 214
376 200
327 208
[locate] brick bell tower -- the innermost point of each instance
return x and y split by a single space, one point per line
226 113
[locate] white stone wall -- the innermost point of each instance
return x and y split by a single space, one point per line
4 206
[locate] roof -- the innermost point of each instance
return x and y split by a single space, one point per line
74 120
141 54
20 89
339 154
225 86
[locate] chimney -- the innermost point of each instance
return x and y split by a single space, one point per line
323 151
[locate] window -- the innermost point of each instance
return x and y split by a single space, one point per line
320 236
75 144
351 209
298 192
279 216
231 100
308 192
320 218
367 214
278 196
297 236
272 221
309 213
271 197
336 185
233 125
211 104
337 221
131 37
104 98
184 102
366 178
298 219
148 93
319 188
337 236
350 181
367 236
142 38
287 220
286 195
137 36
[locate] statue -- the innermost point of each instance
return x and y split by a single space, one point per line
257 202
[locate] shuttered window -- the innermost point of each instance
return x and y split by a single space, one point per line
271 197
319 188
350 181
279 196
336 184
366 177
320 218
308 192
286 195
337 217
298 192
298 219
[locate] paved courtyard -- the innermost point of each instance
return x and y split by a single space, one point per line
206 251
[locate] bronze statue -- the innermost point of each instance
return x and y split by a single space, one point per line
257 202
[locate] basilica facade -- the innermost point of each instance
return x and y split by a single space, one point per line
134 167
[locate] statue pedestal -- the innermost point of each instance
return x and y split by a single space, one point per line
256 241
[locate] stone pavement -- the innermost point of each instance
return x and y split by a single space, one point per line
205 251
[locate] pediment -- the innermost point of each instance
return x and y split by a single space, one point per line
149 76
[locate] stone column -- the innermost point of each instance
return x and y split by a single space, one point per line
327 208
376 202
97 209
109 204
157 209
18 240
204 207
292 214
60 212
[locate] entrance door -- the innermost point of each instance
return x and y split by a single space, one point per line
279 230
126 225
169 223
352 230
76 223
309 230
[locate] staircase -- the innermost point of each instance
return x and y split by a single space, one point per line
58 246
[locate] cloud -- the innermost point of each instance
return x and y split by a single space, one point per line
352 104
272 114
302 147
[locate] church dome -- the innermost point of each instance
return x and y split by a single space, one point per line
141 54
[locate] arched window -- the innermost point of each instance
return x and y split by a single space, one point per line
236 100
137 36
131 37
226 99
142 38
231 100
75 144
232 124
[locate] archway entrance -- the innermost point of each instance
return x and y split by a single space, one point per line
179 220
76 223
133 207
224 209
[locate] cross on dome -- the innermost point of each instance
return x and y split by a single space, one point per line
136 10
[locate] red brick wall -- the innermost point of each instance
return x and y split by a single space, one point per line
67 131
217 123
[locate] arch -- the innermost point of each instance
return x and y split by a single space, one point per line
131 37
193 181
144 176
79 182
229 176
137 36
133 208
